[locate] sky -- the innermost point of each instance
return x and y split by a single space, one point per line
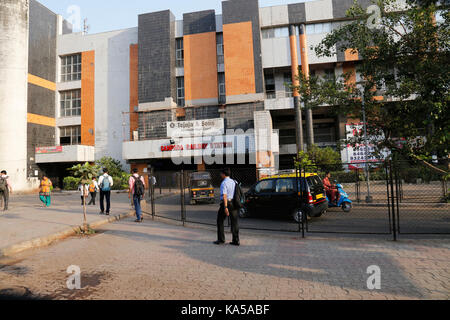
108 15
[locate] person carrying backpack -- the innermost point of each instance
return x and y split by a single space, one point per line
105 183
228 208
137 190
93 189
5 189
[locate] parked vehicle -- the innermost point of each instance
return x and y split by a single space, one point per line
280 194
201 188
342 199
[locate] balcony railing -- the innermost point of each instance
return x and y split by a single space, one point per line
271 95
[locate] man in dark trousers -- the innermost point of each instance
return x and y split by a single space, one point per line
227 209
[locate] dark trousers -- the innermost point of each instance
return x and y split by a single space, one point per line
5 196
107 195
82 200
221 216
93 196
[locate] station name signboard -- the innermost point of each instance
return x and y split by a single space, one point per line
196 128
47 150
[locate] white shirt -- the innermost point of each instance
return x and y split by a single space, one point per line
86 189
100 180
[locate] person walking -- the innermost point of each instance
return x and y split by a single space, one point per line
45 191
84 192
93 189
227 189
105 183
136 190
5 189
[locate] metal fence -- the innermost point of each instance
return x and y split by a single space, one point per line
388 198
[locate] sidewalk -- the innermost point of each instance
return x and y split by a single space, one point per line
28 224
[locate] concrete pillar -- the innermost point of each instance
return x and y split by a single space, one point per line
305 70
295 83
13 90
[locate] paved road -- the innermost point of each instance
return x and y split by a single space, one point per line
28 219
421 218
159 261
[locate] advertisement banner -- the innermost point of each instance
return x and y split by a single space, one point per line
48 150
196 128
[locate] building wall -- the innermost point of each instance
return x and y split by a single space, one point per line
88 98
14 39
200 69
112 84
156 57
245 13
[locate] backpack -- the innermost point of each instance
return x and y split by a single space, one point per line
92 187
105 185
239 196
139 189
3 185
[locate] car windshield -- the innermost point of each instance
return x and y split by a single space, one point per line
201 184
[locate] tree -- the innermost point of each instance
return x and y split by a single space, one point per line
315 157
405 78
114 166
85 172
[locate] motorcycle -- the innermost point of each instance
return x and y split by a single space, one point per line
343 201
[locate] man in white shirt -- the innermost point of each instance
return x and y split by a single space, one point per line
105 183
227 189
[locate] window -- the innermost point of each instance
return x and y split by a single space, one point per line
265 186
180 92
329 75
179 53
270 84
220 49
222 88
285 185
318 28
71 68
70 103
70 135
275 33
288 84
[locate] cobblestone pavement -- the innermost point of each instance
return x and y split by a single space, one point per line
27 219
155 261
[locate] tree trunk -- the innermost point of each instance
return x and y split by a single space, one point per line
84 215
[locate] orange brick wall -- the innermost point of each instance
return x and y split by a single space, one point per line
200 66
134 98
88 98
239 58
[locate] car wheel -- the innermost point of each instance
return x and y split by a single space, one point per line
243 213
298 215
346 207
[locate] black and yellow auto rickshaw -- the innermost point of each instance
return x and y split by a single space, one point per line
201 188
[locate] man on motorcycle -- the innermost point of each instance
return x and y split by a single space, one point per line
330 188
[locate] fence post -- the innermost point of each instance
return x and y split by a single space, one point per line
182 198
152 193
391 183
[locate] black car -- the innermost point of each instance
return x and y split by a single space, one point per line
282 195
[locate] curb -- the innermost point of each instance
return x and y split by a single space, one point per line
45 241
48 240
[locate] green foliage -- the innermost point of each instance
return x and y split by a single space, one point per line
315 157
71 183
121 182
85 172
405 58
114 166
